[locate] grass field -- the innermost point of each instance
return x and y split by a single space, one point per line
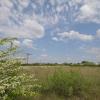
91 74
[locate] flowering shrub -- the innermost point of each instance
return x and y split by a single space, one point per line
13 82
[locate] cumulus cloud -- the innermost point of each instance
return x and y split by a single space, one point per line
16 43
28 29
14 23
75 35
19 33
28 43
88 12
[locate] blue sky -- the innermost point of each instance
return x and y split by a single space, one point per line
53 30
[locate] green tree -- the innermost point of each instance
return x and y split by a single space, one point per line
87 63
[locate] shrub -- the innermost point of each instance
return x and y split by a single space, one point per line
65 84
13 82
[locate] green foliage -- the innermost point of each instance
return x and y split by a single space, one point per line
65 84
88 63
13 82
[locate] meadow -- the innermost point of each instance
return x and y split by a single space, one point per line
90 79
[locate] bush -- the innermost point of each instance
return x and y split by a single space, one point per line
65 84
13 82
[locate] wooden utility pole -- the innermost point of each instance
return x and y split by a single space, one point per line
11 46
27 57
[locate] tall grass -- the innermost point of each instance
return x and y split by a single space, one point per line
65 84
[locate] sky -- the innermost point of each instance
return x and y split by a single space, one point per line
53 30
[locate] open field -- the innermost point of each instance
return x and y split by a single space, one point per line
91 74
44 71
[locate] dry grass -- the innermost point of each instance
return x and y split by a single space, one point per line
91 73
42 72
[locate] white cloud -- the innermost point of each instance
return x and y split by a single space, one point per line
55 38
5 6
14 23
98 33
75 35
24 3
28 43
89 11
44 55
16 43
93 51
72 10
6 3
38 29
28 29
77 1
79 10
